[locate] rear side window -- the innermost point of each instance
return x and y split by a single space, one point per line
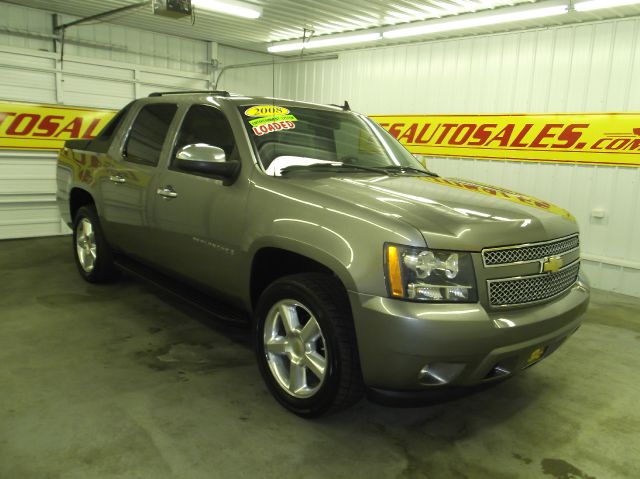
148 133
102 142
110 128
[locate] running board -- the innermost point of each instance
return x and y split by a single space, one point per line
182 292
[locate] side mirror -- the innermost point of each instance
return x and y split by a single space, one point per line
207 160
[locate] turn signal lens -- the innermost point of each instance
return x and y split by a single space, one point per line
395 276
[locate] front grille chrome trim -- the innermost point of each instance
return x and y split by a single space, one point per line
573 241
501 304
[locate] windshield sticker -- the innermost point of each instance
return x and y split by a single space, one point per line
266 110
271 127
272 119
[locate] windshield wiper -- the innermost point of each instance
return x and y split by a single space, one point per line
402 169
333 166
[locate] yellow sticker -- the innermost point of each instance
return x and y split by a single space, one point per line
266 110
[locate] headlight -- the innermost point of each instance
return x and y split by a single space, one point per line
420 274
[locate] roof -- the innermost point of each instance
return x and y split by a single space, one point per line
237 99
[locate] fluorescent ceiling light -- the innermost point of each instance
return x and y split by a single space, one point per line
285 47
230 7
325 42
598 4
479 20
331 42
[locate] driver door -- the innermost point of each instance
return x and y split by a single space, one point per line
197 219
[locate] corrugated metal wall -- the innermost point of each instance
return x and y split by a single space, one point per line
104 66
582 68
247 81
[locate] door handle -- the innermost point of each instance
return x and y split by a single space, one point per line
117 179
167 192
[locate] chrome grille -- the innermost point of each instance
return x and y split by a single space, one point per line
530 289
530 252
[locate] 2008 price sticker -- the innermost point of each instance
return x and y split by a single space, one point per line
266 110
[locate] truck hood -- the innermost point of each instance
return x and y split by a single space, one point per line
452 213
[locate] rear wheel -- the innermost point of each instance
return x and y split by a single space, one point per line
91 251
306 345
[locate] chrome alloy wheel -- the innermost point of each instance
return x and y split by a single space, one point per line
86 245
295 348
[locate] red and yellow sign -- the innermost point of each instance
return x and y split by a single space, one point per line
592 138
46 127
588 138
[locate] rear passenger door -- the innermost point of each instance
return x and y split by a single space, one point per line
198 228
128 189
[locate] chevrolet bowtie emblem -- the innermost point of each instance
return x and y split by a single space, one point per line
552 264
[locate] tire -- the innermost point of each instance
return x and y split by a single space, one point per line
90 249
306 345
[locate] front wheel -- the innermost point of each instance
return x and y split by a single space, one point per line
306 344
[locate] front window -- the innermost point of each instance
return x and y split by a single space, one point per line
290 139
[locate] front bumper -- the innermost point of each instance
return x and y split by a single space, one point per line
463 344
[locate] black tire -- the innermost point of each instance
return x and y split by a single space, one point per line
325 298
103 269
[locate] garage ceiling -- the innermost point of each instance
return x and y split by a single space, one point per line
287 19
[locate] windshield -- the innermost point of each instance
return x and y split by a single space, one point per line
293 138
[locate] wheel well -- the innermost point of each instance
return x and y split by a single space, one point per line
269 264
77 200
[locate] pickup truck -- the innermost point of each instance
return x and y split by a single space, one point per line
359 269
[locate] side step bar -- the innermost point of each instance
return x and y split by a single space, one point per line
189 295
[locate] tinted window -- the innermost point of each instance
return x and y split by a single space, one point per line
205 124
148 133
110 128
292 136
102 142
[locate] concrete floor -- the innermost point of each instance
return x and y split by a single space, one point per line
116 382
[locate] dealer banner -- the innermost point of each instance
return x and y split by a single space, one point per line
586 138
46 127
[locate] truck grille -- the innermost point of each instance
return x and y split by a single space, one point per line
529 252
530 289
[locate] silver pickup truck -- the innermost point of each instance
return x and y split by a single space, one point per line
360 269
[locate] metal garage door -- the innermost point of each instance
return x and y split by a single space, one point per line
28 74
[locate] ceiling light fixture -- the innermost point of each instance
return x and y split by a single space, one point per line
325 42
229 7
478 20
600 4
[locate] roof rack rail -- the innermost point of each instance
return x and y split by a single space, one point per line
187 92
345 107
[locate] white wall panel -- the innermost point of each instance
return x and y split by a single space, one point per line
582 68
22 72
117 43
27 195
246 81
20 20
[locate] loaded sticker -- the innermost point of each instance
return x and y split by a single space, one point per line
270 118
274 126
